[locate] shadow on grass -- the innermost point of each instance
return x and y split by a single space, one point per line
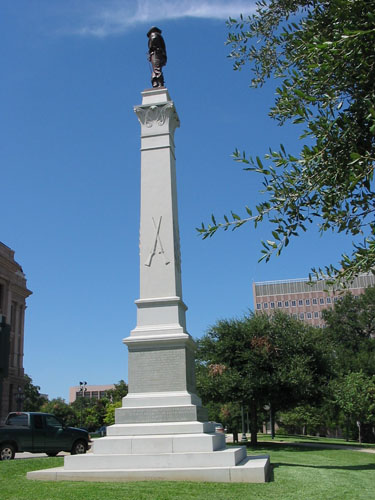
281 447
327 467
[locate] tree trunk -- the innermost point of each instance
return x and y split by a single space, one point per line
253 423
359 432
272 421
347 430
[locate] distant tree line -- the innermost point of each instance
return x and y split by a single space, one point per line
83 412
306 379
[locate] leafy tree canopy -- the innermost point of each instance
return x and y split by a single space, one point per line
323 53
259 360
61 410
355 395
119 392
351 328
109 418
33 399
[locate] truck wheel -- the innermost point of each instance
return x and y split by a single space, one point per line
7 451
78 448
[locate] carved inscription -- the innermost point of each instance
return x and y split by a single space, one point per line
148 415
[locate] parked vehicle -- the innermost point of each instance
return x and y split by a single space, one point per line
218 427
103 430
39 433
100 432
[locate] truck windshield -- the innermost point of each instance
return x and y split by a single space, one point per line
18 419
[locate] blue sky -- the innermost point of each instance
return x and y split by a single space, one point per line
72 71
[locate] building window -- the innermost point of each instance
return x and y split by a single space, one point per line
95 395
315 301
301 315
294 316
265 305
328 300
321 300
316 314
293 303
272 305
286 303
335 299
259 306
307 302
300 302
279 304
309 315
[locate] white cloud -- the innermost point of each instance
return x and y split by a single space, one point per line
118 16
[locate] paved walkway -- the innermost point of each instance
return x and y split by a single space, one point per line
229 439
325 445
26 454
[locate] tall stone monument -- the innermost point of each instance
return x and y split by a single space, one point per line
161 430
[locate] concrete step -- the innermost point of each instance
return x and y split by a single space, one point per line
254 469
93 461
174 443
158 428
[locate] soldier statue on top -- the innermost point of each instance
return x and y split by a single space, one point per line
157 55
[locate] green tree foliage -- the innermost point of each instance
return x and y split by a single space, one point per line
90 412
351 329
306 419
109 418
259 360
322 51
230 417
61 410
355 395
33 399
119 392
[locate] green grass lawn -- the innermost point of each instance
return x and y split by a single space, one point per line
298 473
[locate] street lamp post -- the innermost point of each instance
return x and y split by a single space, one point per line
20 396
82 390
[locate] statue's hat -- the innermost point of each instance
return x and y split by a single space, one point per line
153 30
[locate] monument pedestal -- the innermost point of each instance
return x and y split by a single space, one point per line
175 451
161 430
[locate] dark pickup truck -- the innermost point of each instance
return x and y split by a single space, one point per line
39 433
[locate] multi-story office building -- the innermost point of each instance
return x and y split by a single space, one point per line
301 298
13 295
89 391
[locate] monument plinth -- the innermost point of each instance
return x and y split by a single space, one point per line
161 430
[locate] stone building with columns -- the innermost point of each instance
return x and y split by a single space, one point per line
13 295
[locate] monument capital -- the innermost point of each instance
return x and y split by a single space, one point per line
156 114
